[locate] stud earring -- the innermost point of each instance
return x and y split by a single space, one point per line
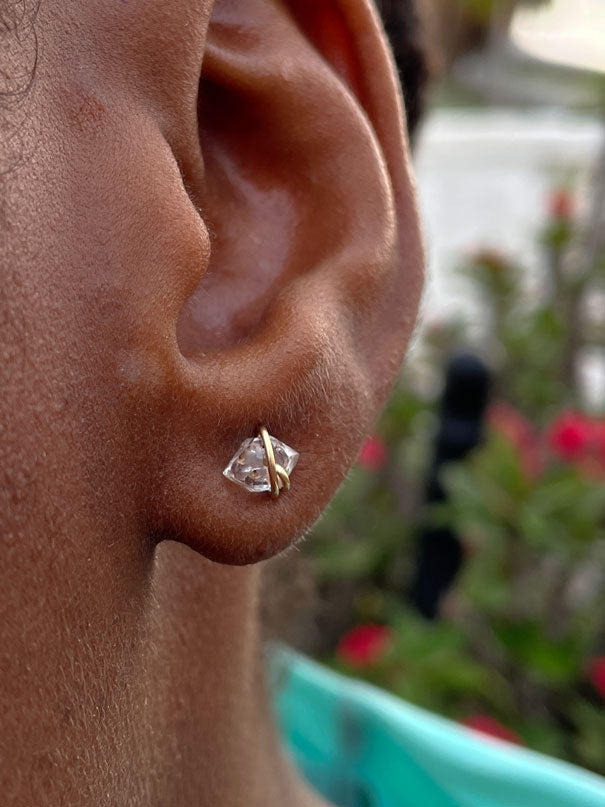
262 464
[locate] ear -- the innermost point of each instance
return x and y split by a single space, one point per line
305 305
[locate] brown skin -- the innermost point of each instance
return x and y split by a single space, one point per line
176 270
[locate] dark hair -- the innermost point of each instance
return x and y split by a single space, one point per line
19 48
19 42
404 27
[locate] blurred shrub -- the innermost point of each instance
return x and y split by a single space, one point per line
519 649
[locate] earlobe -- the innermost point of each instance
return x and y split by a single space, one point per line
311 290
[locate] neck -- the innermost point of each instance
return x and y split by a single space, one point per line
208 671
150 662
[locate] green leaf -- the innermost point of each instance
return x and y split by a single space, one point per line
553 662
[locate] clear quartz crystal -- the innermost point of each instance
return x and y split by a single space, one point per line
248 467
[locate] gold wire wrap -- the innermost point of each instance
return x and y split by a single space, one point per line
276 472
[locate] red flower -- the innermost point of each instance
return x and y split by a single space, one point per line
373 453
492 727
561 205
570 436
596 673
364 645
510 424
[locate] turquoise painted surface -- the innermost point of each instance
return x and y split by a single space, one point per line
362 747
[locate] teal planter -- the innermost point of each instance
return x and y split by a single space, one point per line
361 747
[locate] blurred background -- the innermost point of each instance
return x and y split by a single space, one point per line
462 565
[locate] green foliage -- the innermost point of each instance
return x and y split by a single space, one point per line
527 613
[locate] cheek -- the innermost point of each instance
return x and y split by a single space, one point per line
131 235
124 246
150 50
